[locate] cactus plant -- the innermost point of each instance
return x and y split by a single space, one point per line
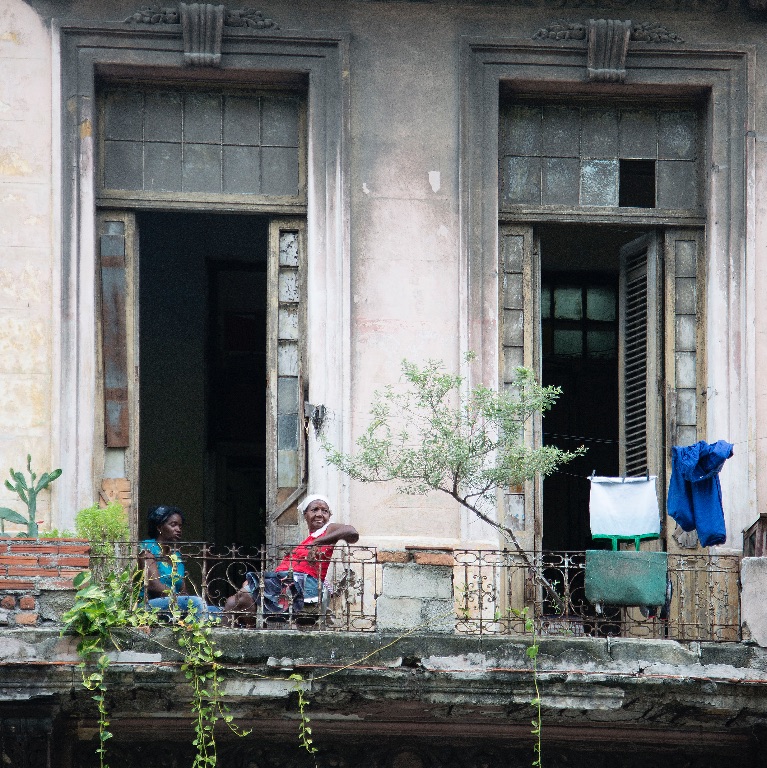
27 491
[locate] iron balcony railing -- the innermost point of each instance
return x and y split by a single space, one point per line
346 601
496 593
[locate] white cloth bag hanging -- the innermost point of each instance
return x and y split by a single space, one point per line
624 507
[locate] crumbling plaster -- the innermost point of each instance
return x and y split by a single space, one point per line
621 689
27 245
407 280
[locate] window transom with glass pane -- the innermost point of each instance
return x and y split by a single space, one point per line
219 143
609 156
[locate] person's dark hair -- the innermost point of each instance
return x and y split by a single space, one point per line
158 515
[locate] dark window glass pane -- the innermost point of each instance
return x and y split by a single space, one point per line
521 180
637 184
678 184
163 116
568 303
162 169
202 118
599 182
560 181
568 343
123 111
600 303
241 120
602 344
241 170
123 161
279 171
545 302
279 122
202 168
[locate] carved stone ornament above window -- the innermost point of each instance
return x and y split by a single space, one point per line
241 17
608 45
641 32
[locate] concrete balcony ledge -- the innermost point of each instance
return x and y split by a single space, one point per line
710 695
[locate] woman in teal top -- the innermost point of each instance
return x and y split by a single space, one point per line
166 579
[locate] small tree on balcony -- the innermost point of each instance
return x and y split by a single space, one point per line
436 434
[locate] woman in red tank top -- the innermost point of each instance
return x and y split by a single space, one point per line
310 559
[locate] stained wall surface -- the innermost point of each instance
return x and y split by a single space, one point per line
408 272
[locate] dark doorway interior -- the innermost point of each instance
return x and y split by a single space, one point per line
202 386
579 335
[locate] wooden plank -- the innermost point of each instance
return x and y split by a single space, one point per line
114 338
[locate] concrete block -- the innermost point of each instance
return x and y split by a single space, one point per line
52 604
438 615
422 581
405 613
396 613
753 577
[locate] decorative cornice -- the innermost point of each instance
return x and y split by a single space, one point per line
641 32
239 17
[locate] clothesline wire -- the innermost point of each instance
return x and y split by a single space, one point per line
580 438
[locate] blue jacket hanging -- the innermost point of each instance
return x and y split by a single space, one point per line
694 492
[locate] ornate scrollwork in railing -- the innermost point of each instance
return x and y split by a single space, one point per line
346 600
494 592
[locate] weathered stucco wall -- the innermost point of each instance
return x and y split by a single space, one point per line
408 280
638 702
27 244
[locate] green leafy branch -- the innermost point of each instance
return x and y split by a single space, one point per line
435 434
27 491
532 654
304 728
202 670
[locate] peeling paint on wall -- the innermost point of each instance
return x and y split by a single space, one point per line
434 180
13 165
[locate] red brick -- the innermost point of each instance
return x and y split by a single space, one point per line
16 584
73 562
27 603
19 560
386 556
8 602
26 619
428 558
37 549
74 548
18 570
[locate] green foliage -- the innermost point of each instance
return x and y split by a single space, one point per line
195 639
437 435
98 611
57 533
532 654
304 729
27 490
103 528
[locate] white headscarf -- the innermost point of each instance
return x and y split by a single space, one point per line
307 500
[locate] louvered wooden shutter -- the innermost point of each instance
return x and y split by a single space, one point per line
640 363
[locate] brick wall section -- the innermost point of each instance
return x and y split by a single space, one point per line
32 569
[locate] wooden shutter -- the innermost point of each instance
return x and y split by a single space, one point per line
520 325
286 380
640 363
116 245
